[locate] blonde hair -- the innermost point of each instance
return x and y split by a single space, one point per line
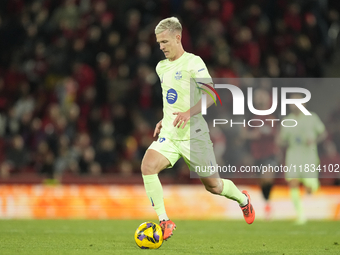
172 24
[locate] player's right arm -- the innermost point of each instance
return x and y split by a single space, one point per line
159 124
282 139
280 142
157 128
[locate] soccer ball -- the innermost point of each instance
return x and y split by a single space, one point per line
149 235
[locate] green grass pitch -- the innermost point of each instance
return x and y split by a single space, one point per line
191 237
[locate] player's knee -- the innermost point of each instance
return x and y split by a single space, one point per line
294 183
309 190
213 189
148 167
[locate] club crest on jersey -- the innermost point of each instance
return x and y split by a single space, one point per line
171 96
178 75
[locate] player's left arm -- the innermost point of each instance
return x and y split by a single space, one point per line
199 71
281 139
320 130
184 117
321 137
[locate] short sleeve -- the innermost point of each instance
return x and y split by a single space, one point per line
198 68
158 68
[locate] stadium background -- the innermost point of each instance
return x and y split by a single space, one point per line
79 99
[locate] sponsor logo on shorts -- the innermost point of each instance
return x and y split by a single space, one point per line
201 70
162 139
171 96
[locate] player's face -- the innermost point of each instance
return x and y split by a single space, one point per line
168 43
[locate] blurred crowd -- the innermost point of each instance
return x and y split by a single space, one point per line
78 88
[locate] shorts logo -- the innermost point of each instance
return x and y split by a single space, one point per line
162 139
171 96
178 75
201 70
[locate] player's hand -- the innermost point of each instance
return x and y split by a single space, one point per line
157 128
310 142
182 118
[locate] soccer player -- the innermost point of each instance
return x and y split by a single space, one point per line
174 129
301 142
